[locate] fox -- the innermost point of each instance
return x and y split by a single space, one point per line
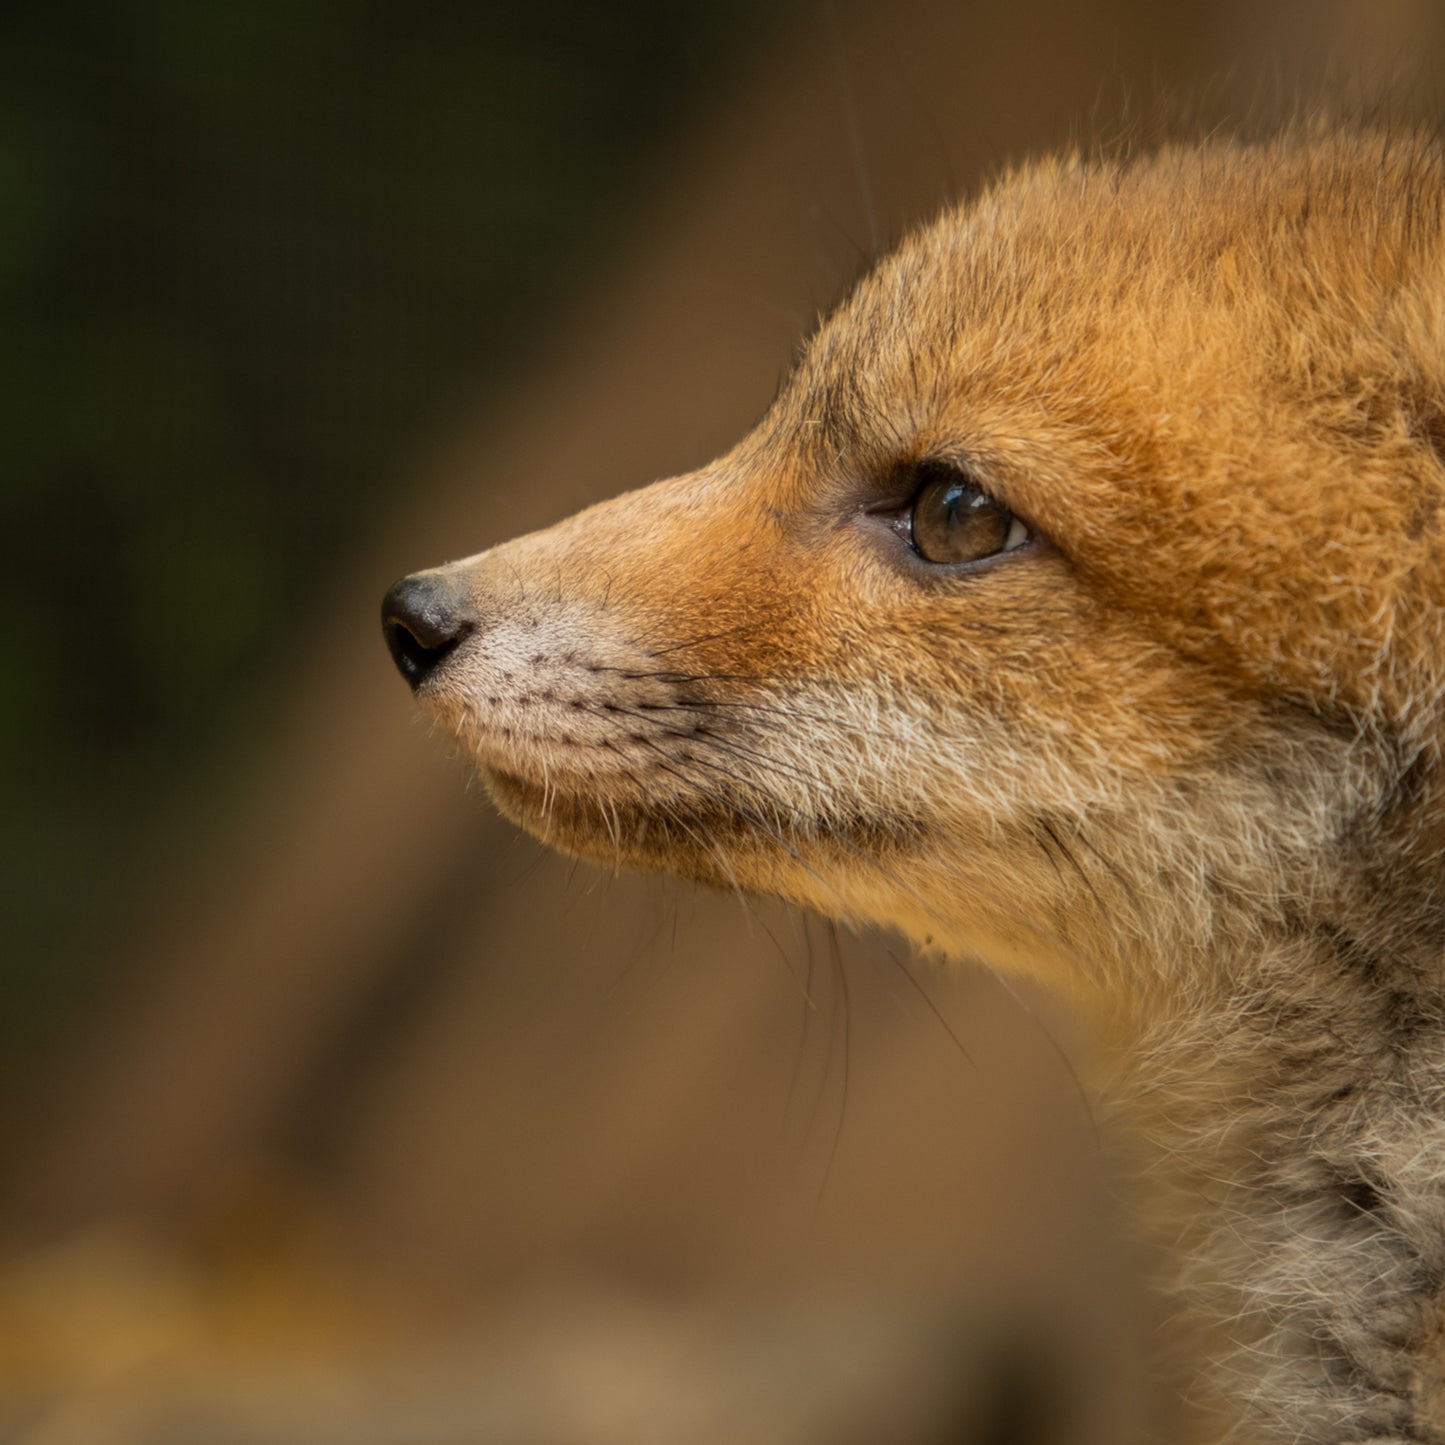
1078 605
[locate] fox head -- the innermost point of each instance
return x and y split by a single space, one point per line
1079 595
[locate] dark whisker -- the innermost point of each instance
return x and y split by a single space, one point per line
916 984
1068 856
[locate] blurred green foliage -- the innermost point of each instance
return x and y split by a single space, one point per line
250 254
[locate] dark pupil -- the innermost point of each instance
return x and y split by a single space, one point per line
953 521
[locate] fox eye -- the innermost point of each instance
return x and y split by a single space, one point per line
952 519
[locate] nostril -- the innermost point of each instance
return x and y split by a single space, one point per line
422 624
413 658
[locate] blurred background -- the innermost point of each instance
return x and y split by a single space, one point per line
334 1109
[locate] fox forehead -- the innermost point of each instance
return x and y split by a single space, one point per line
1070 275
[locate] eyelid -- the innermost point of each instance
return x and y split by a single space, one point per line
905 481
891 496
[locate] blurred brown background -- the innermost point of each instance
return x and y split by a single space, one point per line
335 1109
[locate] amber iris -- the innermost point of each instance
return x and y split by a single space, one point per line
955 520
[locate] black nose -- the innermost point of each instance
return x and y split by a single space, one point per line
422 622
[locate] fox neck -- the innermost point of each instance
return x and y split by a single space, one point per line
1296 1106
1274 1043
